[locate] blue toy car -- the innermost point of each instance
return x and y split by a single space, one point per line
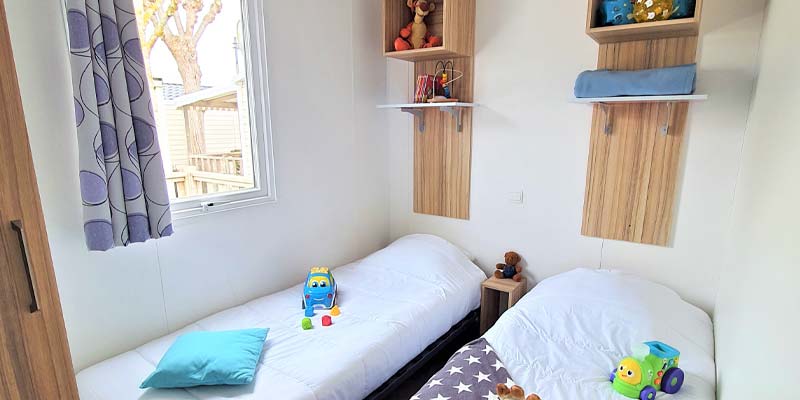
320 289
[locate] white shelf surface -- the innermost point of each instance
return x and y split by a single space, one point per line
428 105
641 99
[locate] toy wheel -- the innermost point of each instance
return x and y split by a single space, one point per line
672 381
648 393
304 304
612 375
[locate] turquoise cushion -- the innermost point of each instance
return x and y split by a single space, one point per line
209 358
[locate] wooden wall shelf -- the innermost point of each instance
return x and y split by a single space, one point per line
443 151
433 53
640 99
635 144
453 21
641 31
428 105
416 109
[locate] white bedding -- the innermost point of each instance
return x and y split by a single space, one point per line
564 338
394 303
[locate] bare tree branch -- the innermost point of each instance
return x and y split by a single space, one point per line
153 13
192 8
178 22
215 9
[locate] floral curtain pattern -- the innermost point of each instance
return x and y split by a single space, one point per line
122 180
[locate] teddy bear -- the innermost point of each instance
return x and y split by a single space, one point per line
415 35
511 269
514 393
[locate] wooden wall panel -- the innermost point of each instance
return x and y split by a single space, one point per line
459 32
632 173
35 361
442 155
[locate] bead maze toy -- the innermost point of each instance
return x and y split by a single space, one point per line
653 367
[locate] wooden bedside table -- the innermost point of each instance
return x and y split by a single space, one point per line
497 296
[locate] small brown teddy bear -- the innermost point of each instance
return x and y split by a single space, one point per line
514 393
510 270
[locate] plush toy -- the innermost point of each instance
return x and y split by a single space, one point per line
616 12
652 10
514 393
415 35
653 367
511 269
683 9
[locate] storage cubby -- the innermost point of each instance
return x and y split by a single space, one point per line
636 142
442 131
452 20
641 31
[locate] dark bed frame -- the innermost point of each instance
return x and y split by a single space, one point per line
471 321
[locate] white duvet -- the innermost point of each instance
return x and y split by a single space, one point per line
394 303
564 338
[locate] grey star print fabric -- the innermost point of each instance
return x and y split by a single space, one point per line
473 372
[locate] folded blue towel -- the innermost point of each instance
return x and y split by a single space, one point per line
648 82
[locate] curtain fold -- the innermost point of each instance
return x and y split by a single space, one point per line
122 182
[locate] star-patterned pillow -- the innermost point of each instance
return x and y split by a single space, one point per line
472 373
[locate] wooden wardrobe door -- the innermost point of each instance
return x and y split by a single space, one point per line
34 356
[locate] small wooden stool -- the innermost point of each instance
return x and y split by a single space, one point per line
497 296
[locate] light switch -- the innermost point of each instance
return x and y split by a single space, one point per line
516 197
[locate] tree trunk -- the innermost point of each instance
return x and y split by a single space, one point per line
185 54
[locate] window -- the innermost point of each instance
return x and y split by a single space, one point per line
207 74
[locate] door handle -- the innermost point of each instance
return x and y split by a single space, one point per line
23 246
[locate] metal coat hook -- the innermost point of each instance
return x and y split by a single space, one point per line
419 114
666 126
608 126
455 112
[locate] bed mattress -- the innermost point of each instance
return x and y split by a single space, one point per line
394 303
563 339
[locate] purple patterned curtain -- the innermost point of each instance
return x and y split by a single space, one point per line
122 180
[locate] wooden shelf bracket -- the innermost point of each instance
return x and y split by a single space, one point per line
455 112
668 122
608 125
417 113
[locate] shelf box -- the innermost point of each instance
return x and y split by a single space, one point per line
641 31
453 21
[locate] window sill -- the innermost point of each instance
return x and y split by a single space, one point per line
220 207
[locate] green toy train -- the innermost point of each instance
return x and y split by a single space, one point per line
653 367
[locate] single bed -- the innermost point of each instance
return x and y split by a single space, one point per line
563 339
394 303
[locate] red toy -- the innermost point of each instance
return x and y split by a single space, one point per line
326 320
416 35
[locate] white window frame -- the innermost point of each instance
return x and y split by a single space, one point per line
255 47
260 128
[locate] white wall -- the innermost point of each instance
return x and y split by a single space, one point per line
333 160
756 317
527 137
330 166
